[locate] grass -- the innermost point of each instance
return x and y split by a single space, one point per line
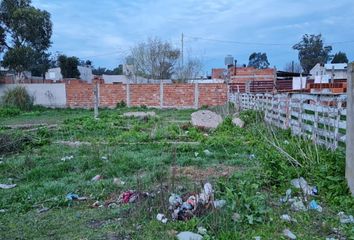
140 152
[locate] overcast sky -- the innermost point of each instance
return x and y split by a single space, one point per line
103 31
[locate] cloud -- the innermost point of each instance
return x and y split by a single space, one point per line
92 28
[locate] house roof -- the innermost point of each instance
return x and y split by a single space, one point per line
337 66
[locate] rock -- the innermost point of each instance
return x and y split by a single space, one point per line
238 122
206 119
139 114
189 236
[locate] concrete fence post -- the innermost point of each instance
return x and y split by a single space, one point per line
349 170
196 95
128 93
161 94
96 99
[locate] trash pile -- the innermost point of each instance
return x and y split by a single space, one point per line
130 196
297 203
188 205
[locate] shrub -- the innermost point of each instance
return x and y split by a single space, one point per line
18 97
121 104
9 112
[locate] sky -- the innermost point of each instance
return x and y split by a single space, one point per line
104 31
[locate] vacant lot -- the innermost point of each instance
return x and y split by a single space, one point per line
160 155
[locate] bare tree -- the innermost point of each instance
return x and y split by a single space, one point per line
293 67
155 59
191 70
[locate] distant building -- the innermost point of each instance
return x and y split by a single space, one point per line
55 74
324 73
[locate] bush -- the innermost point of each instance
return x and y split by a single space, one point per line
121 104
18 97
9 112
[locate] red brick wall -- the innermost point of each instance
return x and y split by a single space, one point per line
212 94
178 95
79 94
111 94
145 94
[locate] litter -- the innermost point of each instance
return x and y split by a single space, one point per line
314 206
175 200
219 203
207 152
236 217
7 186
131 196
72 196
298 205
96 178
252 156
118 181
2 210
42 210
189 236
301 183
202 231
287 218
162 218
196 154
345 219
185 207
257 238
97 204
67 158
287 196
287 233
104 158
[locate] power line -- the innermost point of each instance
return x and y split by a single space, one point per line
258 43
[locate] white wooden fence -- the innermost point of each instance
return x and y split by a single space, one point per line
318 116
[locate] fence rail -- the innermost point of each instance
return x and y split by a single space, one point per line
320 117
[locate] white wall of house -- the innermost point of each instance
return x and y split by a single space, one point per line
325 72
48 95
55 74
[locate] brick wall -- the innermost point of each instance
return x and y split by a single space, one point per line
178 95
111 94
79 94
145 94
212 94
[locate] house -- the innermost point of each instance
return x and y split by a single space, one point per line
55 74
325 73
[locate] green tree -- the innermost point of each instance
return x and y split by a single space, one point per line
24 31
312 51
340 57
258 60
68 66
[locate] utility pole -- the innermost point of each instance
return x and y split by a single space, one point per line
182 41
349 170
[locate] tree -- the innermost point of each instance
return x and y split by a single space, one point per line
41 64
101 70
312 51
340 57
191 70
258 60
25 33
68 66
155 59
293 67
